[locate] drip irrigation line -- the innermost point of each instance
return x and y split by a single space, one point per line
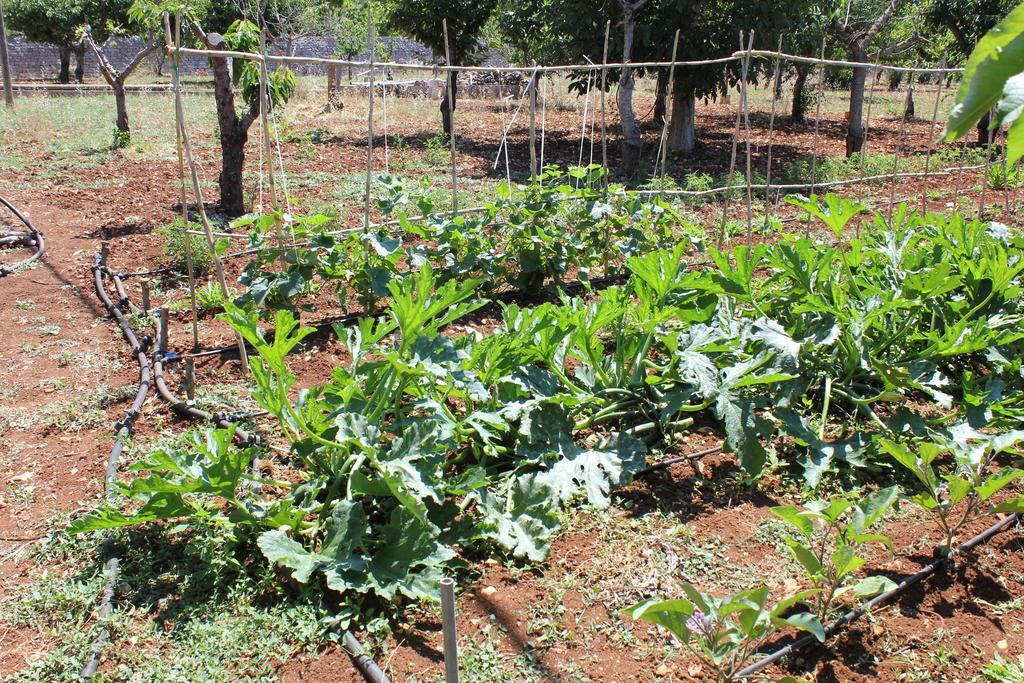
33 238
363 662
125 428
663 464
866 607
367 667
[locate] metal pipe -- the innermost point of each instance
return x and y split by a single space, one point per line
451 646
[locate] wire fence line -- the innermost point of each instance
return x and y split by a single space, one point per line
743 57
738 57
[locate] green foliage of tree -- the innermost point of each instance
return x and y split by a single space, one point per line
423 20
59 23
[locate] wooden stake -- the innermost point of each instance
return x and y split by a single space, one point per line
604 119
931 144
771 125
899 147
268 150
179 111
669 97
732 170
5 67
988 162
451 113
372 40
145 294
817 135
746 125
183 198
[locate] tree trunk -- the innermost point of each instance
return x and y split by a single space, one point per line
855 126
777 86
799 108
451 83
982 128
233 133
909 110
232 159
895 79
682 132
64 75
627 117
660 97
80 61
121 106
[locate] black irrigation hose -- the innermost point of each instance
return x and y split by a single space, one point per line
34 236
867 606
125 428
367 667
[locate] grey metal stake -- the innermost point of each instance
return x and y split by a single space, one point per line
451 649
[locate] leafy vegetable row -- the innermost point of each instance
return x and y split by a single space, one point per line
425 440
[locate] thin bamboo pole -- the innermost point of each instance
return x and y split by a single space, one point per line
735 57
988 160
732 169
867 123
604 117
179 111
899 148
931 146
777 74
183 198
817 134
372 45
451 114
668 110
744 102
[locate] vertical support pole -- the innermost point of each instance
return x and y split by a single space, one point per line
988 164
183 199
669 97
190 378
267 145
746 126
732 164
899 148
533 125
332 78
931 144
604 119
817 134
5 66
776 75
372 40
145 294
105 250
450 74
179 112
451 648
873 77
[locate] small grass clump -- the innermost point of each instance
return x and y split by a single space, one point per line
175 244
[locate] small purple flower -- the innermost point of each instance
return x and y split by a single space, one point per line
700 625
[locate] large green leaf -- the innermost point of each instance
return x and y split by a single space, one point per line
998 57
523 516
